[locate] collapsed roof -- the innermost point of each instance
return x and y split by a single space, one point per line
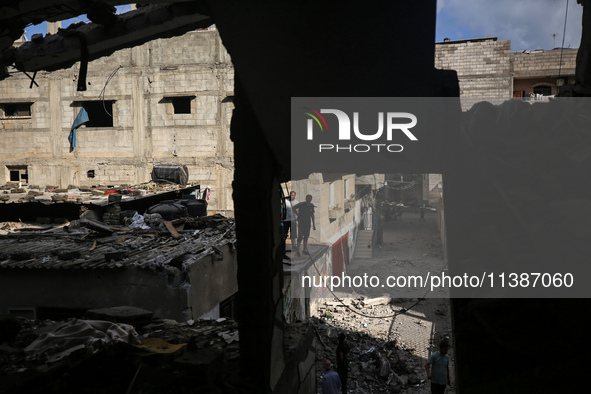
106 33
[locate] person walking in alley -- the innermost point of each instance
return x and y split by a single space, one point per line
283 234
289 222
343 350
305 215
439 373
331 382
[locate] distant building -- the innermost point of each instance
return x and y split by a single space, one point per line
336 218
487 69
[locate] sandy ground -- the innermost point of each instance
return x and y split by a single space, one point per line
409 247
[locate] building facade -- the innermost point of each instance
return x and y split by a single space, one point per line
487 69
168 101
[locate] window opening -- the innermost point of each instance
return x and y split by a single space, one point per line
229 307
181 105
99 113
543 90
16 109
18 174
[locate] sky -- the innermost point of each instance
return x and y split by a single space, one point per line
42 27
529 24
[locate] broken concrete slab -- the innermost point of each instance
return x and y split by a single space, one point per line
122 314
377 301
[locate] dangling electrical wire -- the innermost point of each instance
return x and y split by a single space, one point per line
102 94
563 35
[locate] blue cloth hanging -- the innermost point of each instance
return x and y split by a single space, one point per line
79 121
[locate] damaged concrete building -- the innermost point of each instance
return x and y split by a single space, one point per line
66 256
54 277
168 101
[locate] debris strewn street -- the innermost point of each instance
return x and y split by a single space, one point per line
391 338
404 342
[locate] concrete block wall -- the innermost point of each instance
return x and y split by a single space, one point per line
211 280
542 63
483 66
474 57
19 146
117 142
488 70
16 90
198 47
140 82
123 57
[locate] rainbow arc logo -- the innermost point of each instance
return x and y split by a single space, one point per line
315 116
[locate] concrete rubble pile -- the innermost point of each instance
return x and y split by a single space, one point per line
18 192
102 246
104 235
380 360
108 356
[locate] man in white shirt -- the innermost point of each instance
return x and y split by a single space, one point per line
289 223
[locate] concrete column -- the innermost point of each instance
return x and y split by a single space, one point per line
221 149
139 134
142 144
4 174
52 27
260 276
55 118
140 55
61 176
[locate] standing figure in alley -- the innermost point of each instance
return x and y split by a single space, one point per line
331 382
422 218
289 222
439 373
305 215
283 234
343 350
